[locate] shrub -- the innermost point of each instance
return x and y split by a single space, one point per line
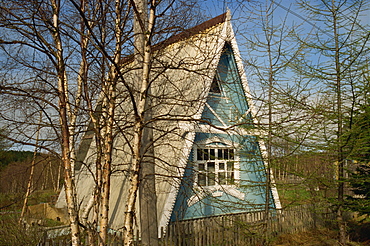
12 233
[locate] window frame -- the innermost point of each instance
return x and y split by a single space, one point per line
212 177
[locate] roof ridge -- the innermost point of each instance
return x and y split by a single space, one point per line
184 34
191 31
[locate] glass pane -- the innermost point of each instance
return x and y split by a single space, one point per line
221 166
201 179
231 154
215 87
219 154
211 179
212 154
231 179
200 154
206 154
211 167
230 166
201 167
222 178
226 154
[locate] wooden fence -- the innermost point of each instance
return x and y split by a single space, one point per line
246 228
232 230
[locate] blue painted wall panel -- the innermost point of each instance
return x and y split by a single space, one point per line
230 107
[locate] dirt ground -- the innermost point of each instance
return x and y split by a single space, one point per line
322 237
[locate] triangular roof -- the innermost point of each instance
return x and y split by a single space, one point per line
184 68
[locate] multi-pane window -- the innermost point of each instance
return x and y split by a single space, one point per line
216 166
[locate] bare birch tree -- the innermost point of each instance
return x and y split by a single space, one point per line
40 31
74 70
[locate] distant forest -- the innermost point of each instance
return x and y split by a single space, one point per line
9 156
15 167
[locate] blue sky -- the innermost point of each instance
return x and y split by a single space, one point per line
242 19
243 11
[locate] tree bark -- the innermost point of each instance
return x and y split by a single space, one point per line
70 189
143 169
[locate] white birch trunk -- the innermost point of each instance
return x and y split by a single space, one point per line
65 131
143 60
110 102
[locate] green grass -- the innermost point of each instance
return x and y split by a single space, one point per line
298 194
41 196
14 201
51 223
10 202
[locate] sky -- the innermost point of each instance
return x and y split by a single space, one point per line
241 19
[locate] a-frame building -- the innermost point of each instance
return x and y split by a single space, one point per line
208 157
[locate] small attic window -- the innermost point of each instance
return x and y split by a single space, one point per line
215 86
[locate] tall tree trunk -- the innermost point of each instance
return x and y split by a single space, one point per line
143 168
32 171
147 191
134 186
57 186
340 154
70 189
108 132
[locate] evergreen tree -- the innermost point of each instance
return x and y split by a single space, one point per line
359 136
360 183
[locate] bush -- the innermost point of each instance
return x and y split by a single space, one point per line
12 233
